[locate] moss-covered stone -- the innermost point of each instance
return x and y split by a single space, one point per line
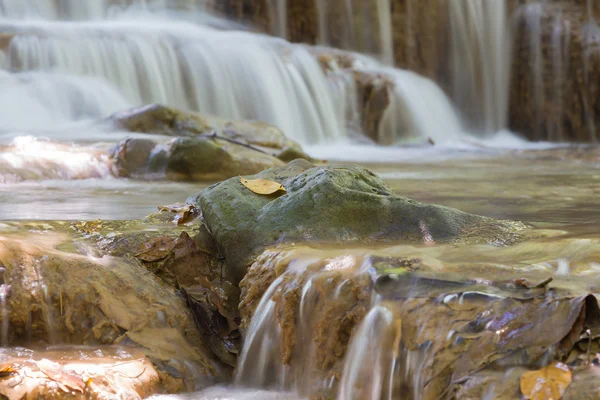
332 204
204 148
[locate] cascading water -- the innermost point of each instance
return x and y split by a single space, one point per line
54 99
480 61
192 67
90 9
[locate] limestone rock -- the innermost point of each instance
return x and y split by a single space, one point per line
332 204
204 148
54 296
555 86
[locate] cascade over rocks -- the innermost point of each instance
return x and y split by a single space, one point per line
204 148
368 323
554 73
330 204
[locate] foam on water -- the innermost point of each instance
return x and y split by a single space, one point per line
54 99
29 158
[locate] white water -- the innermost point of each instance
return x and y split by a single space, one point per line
234 75
260 363
54 99
480 61
230 74
369 362
87 9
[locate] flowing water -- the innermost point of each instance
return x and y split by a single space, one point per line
330 324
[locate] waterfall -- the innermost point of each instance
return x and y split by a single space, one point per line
370 359
418 109
293 353
480 61
54 99
230 74
84 10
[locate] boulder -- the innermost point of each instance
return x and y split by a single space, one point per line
332 204
204 148
168 121
53 296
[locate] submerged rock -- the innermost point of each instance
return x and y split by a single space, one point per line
204 148
333 205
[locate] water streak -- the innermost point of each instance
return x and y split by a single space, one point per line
480 49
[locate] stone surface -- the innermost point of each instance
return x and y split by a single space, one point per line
204 148
556 73
78 373
332 204
54 294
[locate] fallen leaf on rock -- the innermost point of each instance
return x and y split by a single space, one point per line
66 381
262 186
6 370
183 212
547 383
156 249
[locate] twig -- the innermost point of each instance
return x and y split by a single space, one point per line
214 135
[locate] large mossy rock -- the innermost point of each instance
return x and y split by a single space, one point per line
201 149
330 204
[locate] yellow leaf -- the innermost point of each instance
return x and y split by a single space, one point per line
262 186
547 383
6 370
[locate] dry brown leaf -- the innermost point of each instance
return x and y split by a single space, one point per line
262 186
547 383
65 380
183 212
156 249
6 370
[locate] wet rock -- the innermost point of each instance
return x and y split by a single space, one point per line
374 94
58 297
186 258
203 158
78 373
204 148
168 121
554 92
471 335
333 205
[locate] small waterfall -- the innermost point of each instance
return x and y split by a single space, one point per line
279 18
4 330
29 158
370 362
419 110
362 26
285 352
480 61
